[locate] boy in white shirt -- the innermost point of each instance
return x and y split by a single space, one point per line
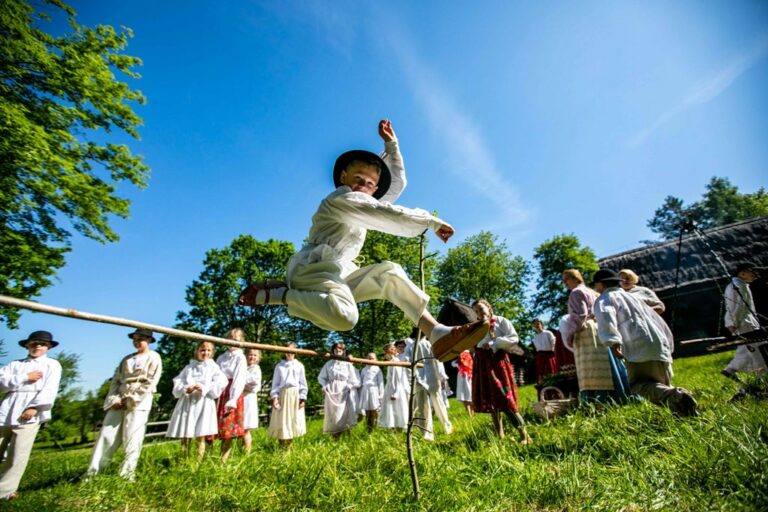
324 284
31 384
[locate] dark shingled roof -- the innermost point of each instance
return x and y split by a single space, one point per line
734 243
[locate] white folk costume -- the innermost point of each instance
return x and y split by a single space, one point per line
339 380
17 436
394 404
371 389
325 283
740 315
134 382
464 364
251 399
429 392
646 342
289 386
231 409
195 412
649 297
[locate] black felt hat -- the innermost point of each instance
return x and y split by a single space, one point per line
746 266
40 336
385 177
143 332
607 276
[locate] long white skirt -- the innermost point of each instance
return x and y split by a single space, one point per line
340 408
250 411
394 407
463 389
193 416
369 399
288 421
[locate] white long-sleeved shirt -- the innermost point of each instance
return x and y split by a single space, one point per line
740 307
23 394
372 376
289 374
206 373
338 370
624 319
341 222
233 364
253 379
135 380
429 376
504 336
649 297
544 341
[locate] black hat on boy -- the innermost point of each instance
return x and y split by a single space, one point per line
143 332
746 266
385 176
607 276
44 336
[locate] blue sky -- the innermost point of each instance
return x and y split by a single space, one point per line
529 119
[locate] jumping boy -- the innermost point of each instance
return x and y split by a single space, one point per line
324 284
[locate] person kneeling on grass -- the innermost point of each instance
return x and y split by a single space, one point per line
635 332
324 284
196 388
31 385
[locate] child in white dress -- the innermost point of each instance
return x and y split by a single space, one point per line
339 380
250 395
394 404
196 388
371 392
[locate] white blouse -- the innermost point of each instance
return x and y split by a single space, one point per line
289 374
233 364
23 394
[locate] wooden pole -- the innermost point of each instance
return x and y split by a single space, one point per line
190 335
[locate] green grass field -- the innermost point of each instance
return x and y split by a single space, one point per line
634 458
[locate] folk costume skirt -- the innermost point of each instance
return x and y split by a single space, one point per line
493 382
251 412
593 364
546 363
193 416
289 421
231 423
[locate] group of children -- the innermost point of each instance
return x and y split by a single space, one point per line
323 285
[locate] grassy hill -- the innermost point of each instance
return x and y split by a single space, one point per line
633 458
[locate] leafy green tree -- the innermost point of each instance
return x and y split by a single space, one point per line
483 267
721 204
553 256
213 308
59 95
381 322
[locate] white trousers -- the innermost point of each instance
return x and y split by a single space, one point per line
15 447
747 359
120 427
424 411
320 294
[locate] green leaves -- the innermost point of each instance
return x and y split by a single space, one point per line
56 95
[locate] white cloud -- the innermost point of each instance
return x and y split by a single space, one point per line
706 90
467 155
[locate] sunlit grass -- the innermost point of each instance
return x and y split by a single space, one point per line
637 457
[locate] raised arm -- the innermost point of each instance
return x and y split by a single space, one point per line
394 161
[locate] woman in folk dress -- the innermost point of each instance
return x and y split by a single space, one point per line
339 380
288 395
250 395
231 410
371 392
196 388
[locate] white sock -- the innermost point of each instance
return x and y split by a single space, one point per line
275 296
439 331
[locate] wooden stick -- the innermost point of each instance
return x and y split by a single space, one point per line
190 335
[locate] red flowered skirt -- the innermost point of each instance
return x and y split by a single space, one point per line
230 423
493 382
546 363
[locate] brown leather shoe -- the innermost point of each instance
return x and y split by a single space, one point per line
461 338
248 296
